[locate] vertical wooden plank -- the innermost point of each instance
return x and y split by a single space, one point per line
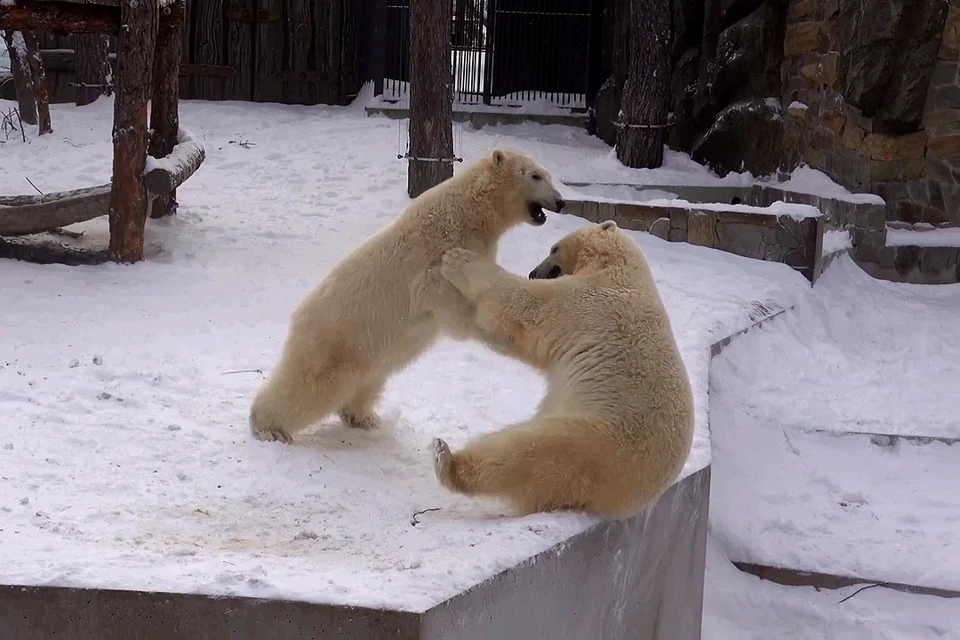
304 32
165 98
329 91
349 67
186 50
208 47
270 52
239 49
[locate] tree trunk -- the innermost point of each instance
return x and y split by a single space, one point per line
22 76
128 204
93 68
431 95
40 90
60 18
646 93
164 113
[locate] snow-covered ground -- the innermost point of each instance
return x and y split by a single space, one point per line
805 473
125 457
124 447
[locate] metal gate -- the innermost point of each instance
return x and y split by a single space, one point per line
505 52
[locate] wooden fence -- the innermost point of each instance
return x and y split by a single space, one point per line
287 51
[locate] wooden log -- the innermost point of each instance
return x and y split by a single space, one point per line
164 104
22 76
431 96
60 18
93 68
24 215
47 252
40 91
645 103
128 204
164 175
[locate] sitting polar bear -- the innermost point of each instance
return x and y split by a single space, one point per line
616 425
386 302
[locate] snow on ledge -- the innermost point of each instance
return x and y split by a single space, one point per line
949 237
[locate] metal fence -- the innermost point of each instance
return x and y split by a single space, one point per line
505 52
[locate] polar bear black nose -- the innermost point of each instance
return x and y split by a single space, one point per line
533 275
560 205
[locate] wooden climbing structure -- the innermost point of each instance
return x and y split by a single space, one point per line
149 35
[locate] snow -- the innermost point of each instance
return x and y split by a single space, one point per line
949 237
739 606
663 198
835 240
797 105
125 454
805 179
805 472
187 147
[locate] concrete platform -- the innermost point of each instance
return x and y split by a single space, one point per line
637 579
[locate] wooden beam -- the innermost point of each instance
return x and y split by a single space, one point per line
25 215
61 18
164 111
128 204
164 175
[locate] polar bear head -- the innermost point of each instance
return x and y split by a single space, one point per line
530 185
593 248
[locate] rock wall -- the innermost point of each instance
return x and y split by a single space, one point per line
873 100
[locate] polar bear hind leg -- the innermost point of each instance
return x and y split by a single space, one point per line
548 464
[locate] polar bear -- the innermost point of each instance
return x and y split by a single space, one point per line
386 302
616 425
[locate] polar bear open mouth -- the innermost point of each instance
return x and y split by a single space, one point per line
537 216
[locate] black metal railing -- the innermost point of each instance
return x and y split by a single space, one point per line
505 52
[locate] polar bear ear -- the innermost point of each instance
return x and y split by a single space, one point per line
498 157
608 224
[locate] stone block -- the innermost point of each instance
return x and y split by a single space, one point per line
677 235
746 240
938 259
941 121
701 228
867 252
801 37
811 73
853 135
907 260
678 219
887 256
939 169
944 145
802 10
883 171
945 73
951 199
660 228
946 97
951 31
870 216
879 146
912 168
829 68
831 8
911 145
909 211
833 120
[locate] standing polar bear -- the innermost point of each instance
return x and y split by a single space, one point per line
386 302
616 425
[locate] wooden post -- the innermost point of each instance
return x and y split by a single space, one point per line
164 112
93 68
128 205
40 91
431 95
646 93
22 76
59 17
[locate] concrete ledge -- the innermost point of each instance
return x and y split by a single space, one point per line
480 119
637 579
913 265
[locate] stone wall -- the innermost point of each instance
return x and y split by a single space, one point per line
872 95
763 236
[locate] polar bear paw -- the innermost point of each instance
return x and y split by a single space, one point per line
272 435
454 266
366 422
441 461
